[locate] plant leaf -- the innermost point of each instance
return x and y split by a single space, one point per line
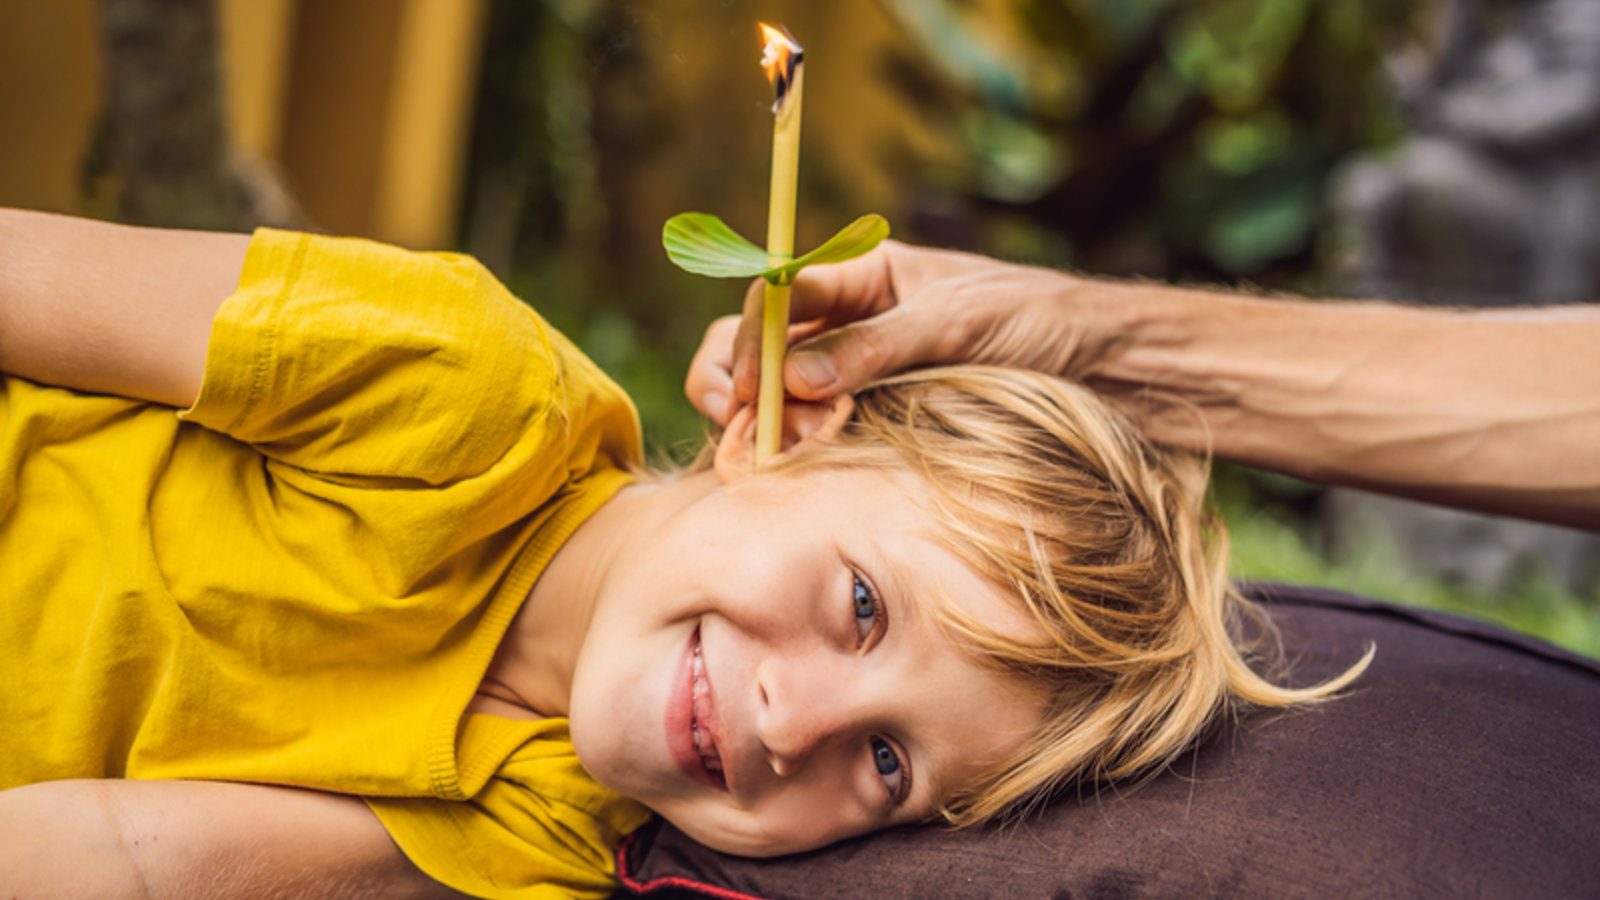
704 244
848 243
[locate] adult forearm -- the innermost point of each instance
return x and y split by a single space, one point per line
1497 411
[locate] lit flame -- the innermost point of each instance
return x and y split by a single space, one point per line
780 55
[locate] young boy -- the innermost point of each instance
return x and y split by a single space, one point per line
380 610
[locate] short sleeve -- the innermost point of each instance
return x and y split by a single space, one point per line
355 359
539 829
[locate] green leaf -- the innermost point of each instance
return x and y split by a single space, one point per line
704 244
848 243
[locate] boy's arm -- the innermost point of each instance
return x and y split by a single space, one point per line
109 308
198 840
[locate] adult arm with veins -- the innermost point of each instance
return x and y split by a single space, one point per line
110 308
198 840
1491 410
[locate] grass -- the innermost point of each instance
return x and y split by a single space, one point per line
1266 546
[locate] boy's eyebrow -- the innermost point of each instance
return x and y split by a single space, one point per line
902 599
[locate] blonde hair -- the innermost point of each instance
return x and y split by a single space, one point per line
1049 493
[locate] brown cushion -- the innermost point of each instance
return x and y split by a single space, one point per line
1466 762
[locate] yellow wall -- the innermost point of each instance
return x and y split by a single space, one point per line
49 91
362 105
430 115
256 45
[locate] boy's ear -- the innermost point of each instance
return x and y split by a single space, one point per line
803 423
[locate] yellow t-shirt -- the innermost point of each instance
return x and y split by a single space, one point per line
303 578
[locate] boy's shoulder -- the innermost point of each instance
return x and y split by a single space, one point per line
330 342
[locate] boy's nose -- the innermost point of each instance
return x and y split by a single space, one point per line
789 743
806 706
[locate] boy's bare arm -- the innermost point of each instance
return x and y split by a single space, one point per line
109 308
198 840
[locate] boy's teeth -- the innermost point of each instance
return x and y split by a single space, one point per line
711 759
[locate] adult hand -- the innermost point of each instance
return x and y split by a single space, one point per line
896 308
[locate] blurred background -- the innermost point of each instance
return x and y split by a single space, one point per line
1432 150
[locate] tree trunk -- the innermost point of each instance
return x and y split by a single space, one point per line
164 114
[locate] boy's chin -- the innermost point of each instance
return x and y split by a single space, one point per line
743 847
739 843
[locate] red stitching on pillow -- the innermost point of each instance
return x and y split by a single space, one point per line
670 881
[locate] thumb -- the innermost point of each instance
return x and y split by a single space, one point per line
848 357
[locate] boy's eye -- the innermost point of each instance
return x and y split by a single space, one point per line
888 765
867 607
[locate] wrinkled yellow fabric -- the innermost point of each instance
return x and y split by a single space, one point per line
303 578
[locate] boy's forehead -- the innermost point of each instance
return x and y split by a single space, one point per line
927 551
946 584
939 589
980 712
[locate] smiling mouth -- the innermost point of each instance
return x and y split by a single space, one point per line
703 717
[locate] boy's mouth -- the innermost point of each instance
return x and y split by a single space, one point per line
703 716
692 731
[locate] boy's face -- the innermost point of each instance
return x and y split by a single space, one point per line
770 673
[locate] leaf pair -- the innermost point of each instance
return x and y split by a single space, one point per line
704 244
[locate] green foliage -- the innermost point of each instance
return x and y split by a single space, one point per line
704 244
1186 140
1269 546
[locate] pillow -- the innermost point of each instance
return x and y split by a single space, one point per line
1465 762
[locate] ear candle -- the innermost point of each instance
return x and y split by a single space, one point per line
704 244
783 59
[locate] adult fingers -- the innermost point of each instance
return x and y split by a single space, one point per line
878 281
709 384
892 277
831 295
848 357
847 291
747 344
